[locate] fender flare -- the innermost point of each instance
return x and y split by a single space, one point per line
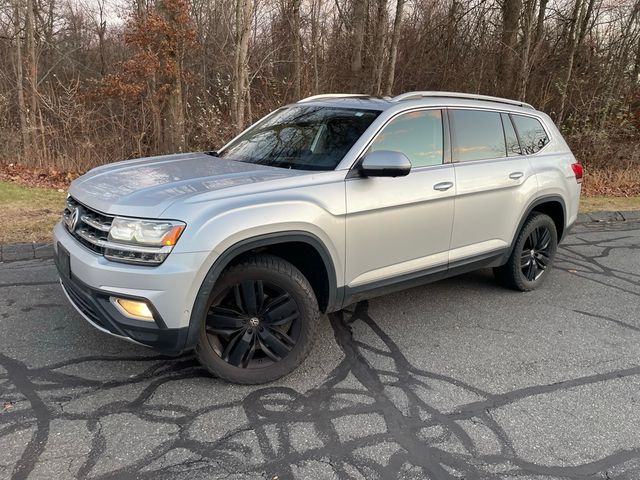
537 201
243 246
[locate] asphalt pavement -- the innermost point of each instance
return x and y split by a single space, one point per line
460 379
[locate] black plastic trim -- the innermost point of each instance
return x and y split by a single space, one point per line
198 312
96 306
422 277
534 204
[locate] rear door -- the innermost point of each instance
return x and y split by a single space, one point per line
494 183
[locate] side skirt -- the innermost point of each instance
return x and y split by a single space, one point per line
383 287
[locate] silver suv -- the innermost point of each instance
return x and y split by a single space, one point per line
324 202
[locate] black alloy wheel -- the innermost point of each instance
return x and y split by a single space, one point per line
536 255
532 254
260 321
255 324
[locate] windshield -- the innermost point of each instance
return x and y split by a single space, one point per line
302 137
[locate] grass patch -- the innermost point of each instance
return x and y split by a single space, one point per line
608 204
28 214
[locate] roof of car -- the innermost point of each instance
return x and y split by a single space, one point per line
418 98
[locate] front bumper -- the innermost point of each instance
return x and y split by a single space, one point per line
89 280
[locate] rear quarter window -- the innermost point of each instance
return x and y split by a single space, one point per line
533 136
513 145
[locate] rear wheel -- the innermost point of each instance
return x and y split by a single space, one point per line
260 323
532 254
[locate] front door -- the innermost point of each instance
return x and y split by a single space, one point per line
397 228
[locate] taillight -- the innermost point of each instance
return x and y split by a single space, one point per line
578 171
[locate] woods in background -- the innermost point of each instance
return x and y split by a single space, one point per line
85 82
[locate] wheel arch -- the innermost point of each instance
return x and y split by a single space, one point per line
282 244
552 205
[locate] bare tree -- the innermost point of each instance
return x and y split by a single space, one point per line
22 108
395 40
358 19
511 10
78 91
31 70
241 68
379 43
294 22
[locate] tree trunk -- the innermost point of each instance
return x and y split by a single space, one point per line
618 66
101 29
636 67
174 127
315 8
395 39
22 108
294 23
511 10
241 70
358 19
523 74
574 35
379 42
31 70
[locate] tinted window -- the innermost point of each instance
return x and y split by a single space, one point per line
302 137
513 146
416 134
532 135
476 135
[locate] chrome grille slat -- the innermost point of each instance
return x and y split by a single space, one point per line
92 226
95 223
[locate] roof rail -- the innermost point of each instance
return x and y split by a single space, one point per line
333 95
469 96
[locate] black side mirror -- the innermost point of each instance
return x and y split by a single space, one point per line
385 163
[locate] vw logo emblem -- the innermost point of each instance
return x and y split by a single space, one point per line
75 217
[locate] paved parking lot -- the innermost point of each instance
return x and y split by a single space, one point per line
459 379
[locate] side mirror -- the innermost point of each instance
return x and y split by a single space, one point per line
385 163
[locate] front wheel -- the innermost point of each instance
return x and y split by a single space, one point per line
260 322
532 254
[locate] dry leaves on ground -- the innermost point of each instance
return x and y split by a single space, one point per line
36 177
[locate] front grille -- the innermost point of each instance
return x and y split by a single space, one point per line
89 227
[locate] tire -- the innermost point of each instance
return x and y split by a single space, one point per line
532 255
261 321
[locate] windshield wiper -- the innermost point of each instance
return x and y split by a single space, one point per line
213 153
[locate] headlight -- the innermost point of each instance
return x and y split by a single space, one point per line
141 241
145 232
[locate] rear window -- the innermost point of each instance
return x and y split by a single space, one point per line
533 136
476 135
302 137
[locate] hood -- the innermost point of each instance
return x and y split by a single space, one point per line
147 186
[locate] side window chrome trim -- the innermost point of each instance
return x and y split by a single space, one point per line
498 159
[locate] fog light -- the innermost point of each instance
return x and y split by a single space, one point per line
133 308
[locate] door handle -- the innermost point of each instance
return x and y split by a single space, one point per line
516 175
443 186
